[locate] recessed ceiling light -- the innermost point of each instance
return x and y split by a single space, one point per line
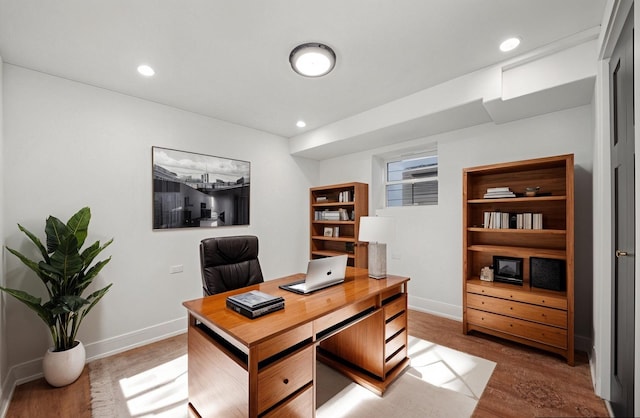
312 59
509 44
145 70
301 124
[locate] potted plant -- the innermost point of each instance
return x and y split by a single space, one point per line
66 272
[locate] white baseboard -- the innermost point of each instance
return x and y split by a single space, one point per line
436 308
124 342
32 369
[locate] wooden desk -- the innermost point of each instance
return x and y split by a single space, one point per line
265 367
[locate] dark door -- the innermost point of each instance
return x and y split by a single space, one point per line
623 175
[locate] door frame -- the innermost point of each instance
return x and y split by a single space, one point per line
615 15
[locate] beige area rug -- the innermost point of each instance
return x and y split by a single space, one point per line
151 381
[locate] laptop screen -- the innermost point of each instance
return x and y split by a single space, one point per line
321 273
324 271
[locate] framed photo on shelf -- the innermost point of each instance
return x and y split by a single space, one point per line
328 231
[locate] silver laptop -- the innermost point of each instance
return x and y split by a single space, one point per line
321 273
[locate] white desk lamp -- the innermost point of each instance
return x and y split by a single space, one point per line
377 230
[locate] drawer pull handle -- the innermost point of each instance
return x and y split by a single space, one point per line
511 307
286 381
542 300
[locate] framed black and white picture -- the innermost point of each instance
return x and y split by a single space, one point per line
192 190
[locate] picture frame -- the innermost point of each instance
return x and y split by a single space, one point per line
193 190
328 231
508 269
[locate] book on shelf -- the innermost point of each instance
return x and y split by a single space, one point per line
498 192
322 199
336 231
506 220
327 215
536 222
254 303
345 196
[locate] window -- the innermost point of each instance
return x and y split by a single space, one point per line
412 181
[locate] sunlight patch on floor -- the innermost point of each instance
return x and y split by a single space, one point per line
446 368
159 392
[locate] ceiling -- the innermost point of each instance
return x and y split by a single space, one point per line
229 59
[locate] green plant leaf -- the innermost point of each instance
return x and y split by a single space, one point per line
33 303
56 233
31 264
66 259
90 274
78 225
73 303
91 252
94 298
36 241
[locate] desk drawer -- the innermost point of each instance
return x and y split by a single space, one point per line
556 337
395 306
300 405
548 316
343 314
392 362
281 379
398 323
395 343
284 341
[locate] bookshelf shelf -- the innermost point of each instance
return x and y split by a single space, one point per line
536 199
519 251
338 239
518 231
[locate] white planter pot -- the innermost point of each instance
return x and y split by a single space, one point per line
62 368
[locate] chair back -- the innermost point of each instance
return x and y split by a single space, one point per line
229 263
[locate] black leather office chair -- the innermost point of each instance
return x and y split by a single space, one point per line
229 263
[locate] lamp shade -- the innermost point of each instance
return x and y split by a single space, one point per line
376 229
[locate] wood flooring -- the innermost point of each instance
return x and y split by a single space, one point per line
525 383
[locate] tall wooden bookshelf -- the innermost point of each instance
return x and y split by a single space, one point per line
335 221
525 313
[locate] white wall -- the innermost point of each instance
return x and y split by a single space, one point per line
430 247
4 383
69 145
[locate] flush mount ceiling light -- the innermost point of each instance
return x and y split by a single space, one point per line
509 44
301 124
312 59
145 70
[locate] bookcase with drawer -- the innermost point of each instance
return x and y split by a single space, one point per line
531 315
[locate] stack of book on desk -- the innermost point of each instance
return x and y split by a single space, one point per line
255 303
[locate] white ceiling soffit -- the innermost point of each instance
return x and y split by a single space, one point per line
463 116
547 80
